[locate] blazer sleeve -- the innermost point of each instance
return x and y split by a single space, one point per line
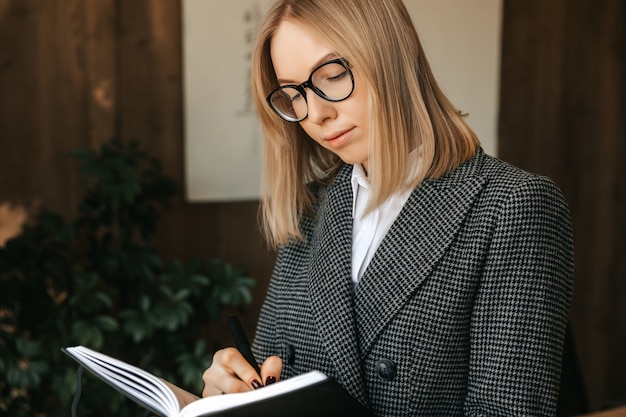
264 343
522 305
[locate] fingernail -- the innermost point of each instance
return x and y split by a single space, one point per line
256 384
270 380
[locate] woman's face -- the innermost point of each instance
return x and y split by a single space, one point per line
340 127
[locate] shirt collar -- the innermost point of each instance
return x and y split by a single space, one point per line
358 179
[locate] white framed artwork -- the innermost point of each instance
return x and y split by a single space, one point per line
222 138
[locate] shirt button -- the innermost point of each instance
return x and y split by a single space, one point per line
386 369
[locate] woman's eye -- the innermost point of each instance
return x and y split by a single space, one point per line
338 77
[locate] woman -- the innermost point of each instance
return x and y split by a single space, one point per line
427 277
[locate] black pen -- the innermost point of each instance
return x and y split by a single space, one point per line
241 341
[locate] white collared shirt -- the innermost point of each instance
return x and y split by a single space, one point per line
368 231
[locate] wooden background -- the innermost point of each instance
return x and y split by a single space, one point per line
74 73
563 114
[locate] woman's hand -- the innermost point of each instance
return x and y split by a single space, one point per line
230 372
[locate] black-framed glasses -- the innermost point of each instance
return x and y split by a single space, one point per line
332 81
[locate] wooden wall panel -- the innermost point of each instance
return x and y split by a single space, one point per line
100 69
42 100
562 114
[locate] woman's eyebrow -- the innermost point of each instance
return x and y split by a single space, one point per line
327 57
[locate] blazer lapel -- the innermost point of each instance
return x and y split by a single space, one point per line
416 241
331 292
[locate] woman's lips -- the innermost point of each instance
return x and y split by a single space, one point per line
337 137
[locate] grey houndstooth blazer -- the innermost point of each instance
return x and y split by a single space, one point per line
462 310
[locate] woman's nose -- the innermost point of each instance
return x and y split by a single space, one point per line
319 109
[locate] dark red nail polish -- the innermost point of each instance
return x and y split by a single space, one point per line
270 380
256 384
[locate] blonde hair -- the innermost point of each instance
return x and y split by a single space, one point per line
407 109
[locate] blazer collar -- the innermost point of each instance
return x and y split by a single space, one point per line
417 240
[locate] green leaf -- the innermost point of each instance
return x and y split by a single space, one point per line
27 369
138 328
107 323
87 334
191 365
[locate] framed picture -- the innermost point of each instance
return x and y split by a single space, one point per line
223 145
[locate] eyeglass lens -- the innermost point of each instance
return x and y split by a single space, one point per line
331 81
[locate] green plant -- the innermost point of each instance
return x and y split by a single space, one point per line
98 282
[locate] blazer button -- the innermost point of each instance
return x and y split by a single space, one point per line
386 369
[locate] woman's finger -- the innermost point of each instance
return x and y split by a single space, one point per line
271 369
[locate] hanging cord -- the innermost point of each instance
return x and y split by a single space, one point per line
79 389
